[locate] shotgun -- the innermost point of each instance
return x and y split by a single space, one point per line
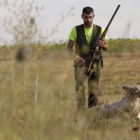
102 37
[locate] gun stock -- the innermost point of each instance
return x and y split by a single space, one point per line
102 37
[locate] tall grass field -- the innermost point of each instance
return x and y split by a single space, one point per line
38 99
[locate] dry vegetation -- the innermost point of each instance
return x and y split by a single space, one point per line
37 86
52 116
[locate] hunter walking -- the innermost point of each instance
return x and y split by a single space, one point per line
84 37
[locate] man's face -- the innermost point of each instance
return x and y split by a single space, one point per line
88 18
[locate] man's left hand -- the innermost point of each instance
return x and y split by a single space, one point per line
103 44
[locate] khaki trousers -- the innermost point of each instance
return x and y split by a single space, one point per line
93 80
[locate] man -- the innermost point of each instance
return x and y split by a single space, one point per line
85 37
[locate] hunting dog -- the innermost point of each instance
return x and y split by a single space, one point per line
128 105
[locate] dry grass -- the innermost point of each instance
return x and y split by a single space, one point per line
52 117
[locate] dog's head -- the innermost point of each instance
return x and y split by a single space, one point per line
135 90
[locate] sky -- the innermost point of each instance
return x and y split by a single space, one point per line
125 24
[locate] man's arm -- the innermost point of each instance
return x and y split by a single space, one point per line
78 59
70 49
103 44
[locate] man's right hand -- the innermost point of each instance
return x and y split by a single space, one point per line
80 61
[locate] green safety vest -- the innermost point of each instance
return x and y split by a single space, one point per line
85 50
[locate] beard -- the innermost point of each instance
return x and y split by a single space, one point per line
88 23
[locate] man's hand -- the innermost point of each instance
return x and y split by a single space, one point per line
103 44
80 61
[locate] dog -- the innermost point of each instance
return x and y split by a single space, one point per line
128 105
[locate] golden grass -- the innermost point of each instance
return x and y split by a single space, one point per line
52 117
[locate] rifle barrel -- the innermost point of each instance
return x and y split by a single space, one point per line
113 16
